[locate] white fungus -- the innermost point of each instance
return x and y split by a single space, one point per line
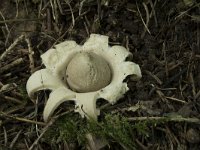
83 74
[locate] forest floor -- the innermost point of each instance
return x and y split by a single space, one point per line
161 111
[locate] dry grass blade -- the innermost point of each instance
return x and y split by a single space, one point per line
2 114
153 11
147 20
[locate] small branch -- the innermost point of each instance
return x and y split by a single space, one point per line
5 22
12 64
153 11
2 114
167 119
15 139
19 20
11 47
176 99
42 133
12 99
30 55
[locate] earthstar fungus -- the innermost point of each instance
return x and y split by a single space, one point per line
83 74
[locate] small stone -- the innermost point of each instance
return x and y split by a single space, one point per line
193 136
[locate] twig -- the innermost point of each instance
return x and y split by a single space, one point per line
141 145
193 84
60 7
53 119
154 77
197 95
30 55
11 47
198 34
7 87
12 99
165 59
15 109
5 136
42 133
147 20
153 12
53 9
49 20
19 20
175 77
86 28
17 9
175 66
72 14
5 22
80 7
99 9
176 99
171 135
54 6
12 64
2 114
185 12
168 119
15 139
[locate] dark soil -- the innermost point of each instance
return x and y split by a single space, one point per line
164 37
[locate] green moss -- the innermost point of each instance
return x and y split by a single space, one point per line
68 128
114 128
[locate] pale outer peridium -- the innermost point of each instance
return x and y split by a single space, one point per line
88 72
